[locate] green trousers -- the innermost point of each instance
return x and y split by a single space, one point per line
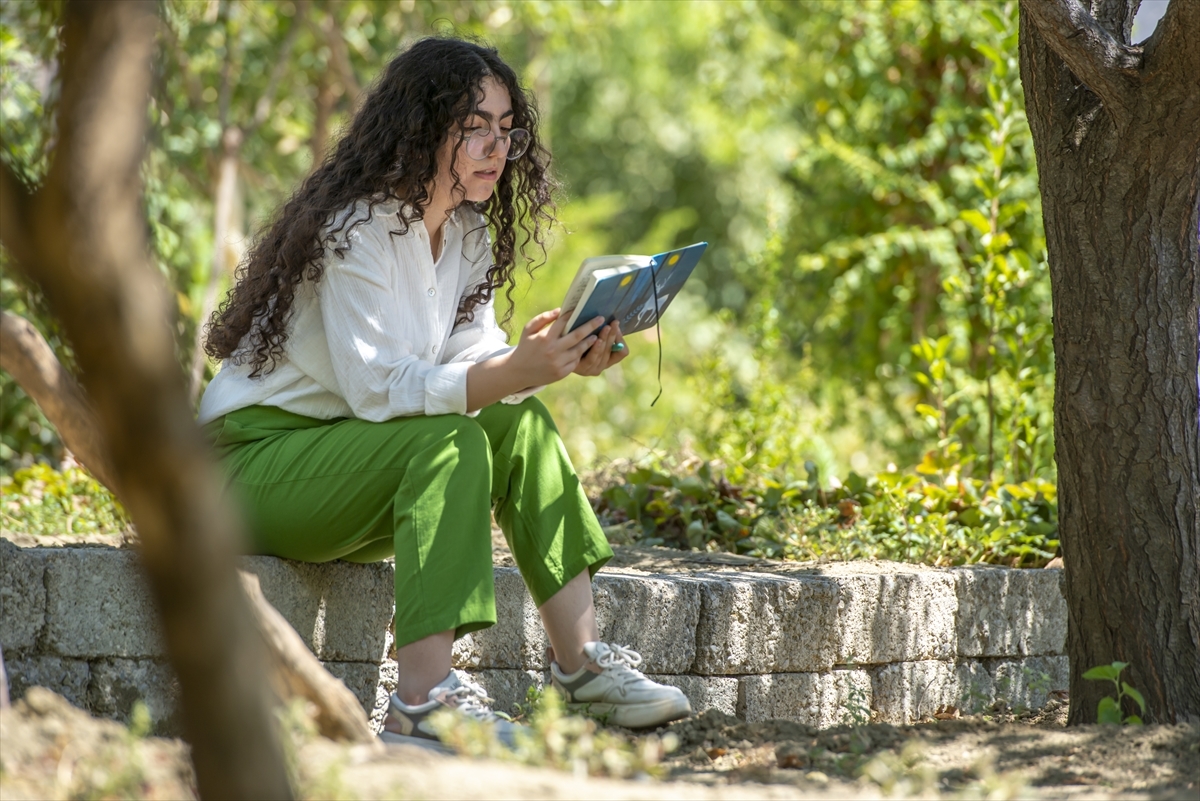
421 489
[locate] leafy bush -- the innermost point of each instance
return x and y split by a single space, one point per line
930 516
42 501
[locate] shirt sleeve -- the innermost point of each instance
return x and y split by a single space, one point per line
482 338
377 370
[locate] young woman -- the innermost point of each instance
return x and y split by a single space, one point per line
369 405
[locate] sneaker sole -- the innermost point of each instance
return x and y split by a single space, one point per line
639 716
391 738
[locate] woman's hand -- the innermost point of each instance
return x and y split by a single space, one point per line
545 355
601 356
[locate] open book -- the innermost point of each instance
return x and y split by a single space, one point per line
631 290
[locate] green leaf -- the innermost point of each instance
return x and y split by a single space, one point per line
1103 673
1133 720
1135 695
975 218
1107 711
992 17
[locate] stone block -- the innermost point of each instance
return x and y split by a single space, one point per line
22 597
507 688
98 605
902 615
516 642
813 699
761 623
67 677
1027 683
117 684
361 678
341 610
976 689
1008 612
654 615
906 692
705 692
371 685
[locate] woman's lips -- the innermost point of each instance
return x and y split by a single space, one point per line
488 175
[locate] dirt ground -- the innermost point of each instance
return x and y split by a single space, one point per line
51 750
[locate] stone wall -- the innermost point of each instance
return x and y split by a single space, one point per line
818 645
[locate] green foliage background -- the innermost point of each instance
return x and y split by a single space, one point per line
874 302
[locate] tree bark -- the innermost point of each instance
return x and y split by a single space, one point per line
1116 131
81 237
29 359
295 673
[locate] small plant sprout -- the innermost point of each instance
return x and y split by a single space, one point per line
1109 708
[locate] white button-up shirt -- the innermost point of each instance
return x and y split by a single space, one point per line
376 338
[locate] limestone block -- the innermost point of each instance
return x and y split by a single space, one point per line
341 610
705 692
1008 612
67 677
360 678
116 684
516 642
813 699
761 623
906 615
905 692
1027 683
22 597
507 688
976 689
371 684
98 605
653 615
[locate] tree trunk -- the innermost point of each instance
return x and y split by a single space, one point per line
1119 170
223 213
82 238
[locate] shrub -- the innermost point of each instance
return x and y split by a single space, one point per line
912 517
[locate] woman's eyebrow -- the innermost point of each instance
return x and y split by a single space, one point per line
488 116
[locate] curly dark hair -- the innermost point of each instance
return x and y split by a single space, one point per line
389 152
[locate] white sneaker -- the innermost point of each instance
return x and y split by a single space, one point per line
410 725
618 692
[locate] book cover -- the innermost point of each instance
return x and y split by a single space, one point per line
635 296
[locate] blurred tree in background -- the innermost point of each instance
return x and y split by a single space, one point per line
875 292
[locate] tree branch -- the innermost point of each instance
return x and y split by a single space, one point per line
191 83
15 201
1094 55
266 100
297 673
28 358
340 56
86 247
1174 48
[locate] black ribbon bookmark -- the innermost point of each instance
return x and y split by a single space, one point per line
657 329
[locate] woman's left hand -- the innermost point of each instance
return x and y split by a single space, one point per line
600 356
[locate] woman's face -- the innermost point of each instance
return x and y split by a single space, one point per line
478 177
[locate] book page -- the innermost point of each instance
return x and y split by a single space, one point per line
590 265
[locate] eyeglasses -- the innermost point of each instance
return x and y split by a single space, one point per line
482 141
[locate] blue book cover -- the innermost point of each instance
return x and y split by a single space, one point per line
637 297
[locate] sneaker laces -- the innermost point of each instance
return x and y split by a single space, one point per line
622 661
470 699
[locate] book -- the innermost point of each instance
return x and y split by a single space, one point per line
631 290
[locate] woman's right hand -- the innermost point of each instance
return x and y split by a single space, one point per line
544 354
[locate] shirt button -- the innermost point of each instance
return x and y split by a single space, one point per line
435 349
432 292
